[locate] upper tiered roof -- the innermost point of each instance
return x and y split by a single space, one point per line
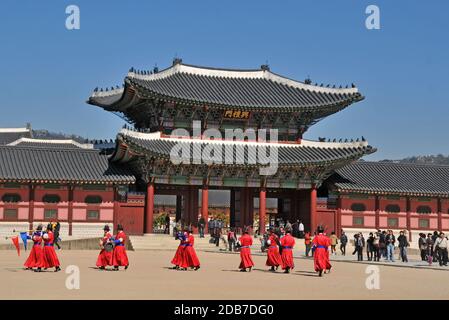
8 135
213 87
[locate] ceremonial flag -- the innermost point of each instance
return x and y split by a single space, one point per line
15 241
24 237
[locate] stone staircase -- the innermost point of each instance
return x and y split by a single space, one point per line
168 242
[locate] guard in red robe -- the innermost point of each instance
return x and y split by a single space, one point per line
35 258
119 256
273 256
287 243
246 242
49 257
189 257
177 259
104 258
321 255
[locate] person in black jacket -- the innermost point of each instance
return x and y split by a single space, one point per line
359 245
390 240
403 244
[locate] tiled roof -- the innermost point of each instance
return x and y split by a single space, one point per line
59 165
236 88
395 178
8 135
51 144
306 153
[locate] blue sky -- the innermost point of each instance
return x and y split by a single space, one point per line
48 72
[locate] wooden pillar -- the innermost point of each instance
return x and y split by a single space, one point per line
178 207
440 212
338 231
31 206
232 209
205 206
149 209
195 208
313 215
70 208
262 209
377 211
408 209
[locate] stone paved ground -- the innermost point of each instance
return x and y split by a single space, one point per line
149 277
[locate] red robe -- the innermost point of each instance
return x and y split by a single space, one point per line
245 251
119 256
189 257
287 243
273 256
104 258
49 257
321 255
177 259
35 258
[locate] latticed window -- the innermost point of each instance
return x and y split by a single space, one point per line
93 199
50 214
424 223
358 221
93 215
51 198
392 208
424 209
393 222
10 214
11 197
359 207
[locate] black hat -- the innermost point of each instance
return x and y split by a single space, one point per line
119 227
39 227
320 229
106 228
49 226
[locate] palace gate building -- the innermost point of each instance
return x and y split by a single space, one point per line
193 130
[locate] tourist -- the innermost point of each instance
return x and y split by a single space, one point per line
287 243
441 246
403 244
370 247
356 237
390 241
307 242
245 242
273 257
105 256
334 242
321 257
232 239
288 225
35 258
422 246
49 257
376 247
434 252
429 244
360 244
343 242
201 226
119 256
211 226
189 257
301 229
167 224
382 243
56 226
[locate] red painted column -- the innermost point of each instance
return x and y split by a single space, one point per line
338 231
377 211
313 217
149 208
31 207
70 209
408 208
439 212
262 209
205 207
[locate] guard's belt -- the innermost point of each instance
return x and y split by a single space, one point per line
322 247
244 247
